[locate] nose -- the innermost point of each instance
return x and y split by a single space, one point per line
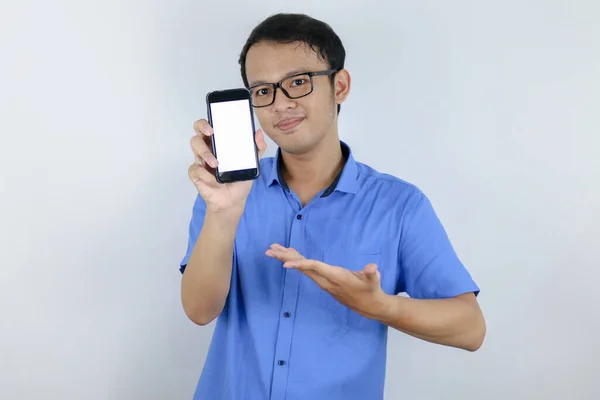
282 102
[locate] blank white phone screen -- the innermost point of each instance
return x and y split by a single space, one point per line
234 136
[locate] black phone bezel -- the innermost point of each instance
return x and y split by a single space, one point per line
220 96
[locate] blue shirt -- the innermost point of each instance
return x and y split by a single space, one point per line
282 337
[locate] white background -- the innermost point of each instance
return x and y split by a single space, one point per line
234 136
491 107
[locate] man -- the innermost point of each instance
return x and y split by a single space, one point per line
302 267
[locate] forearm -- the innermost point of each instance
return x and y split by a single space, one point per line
456 322
205 282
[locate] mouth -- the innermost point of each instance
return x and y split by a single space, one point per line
288 124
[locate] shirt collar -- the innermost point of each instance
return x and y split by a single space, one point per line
346 181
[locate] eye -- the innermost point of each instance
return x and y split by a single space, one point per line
263 91
298 82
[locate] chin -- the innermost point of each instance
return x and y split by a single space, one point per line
300 144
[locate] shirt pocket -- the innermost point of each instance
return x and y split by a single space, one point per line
354 260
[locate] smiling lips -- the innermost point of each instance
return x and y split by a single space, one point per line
289 123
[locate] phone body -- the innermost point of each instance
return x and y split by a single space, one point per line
231 116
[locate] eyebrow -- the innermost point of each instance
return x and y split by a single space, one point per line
290 73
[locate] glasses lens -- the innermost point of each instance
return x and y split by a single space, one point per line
297 86
294 87
262 95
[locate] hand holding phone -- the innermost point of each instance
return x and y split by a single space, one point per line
230 113
217 196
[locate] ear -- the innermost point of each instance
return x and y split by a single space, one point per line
342 86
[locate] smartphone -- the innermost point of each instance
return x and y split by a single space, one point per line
231 116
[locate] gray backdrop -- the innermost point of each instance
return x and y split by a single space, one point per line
492 108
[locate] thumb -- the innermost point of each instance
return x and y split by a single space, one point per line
371 271
260 142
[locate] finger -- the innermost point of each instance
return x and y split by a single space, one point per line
204 131
198 173
202 152
260 142
308 265
283 249
279 256
283 254
371 271
283 257
272 253
202 187
333 274
203 128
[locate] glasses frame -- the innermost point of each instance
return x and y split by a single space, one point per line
278 85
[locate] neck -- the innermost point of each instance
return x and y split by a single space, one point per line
315 170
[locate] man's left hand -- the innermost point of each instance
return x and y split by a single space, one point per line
358 290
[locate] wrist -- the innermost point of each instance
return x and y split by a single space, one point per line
225 216
386 308
380 307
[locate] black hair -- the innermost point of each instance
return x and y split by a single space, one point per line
290 28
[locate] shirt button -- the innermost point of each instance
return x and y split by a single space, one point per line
299 216
287 314
281 362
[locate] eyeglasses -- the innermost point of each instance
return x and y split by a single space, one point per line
294 87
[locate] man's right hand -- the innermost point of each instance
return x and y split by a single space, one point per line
217 196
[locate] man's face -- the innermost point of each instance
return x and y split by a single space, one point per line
296 125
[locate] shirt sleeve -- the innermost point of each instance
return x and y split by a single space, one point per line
198 213
429 266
